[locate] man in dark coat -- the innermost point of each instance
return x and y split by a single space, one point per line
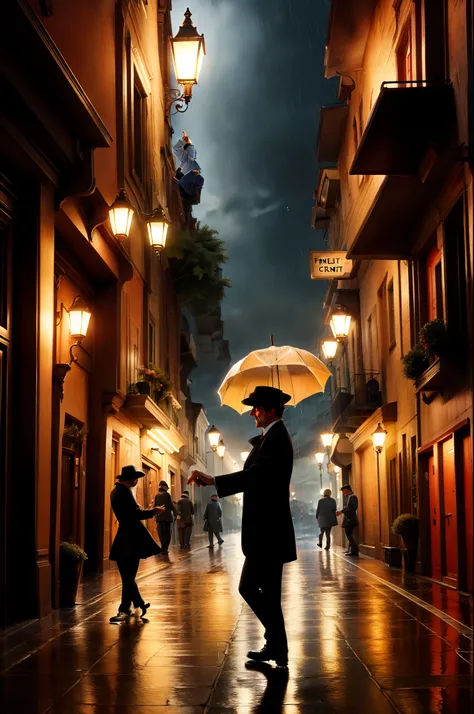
350 520
132 542
164 519
213 520
185 520
265 483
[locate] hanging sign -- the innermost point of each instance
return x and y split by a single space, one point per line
330 265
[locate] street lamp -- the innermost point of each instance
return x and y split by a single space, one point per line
120 215
340 323
326 438
320 459
214 436
188 50
79 318
244 456
157 225
221 449
329 349
378 440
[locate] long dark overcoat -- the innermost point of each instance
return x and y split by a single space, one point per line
350 519
213 516
132 539
267 526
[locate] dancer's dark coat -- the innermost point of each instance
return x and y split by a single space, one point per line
132 539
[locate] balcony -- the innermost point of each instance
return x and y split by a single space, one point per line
352 406
144 410
349 26
410 140
406 121
332 125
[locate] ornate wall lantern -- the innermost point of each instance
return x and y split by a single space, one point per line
221 449
214 436
340 323
188 50
157 226
120 215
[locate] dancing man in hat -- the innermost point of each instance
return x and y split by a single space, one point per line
132 542
265 479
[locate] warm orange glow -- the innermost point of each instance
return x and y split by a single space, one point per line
79 317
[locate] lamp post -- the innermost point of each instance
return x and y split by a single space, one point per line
79 317
329 348
220 454
214 436
157 226
340 323
244 456
188 50
120 215
319 456
378 441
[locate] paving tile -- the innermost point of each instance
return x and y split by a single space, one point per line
436 700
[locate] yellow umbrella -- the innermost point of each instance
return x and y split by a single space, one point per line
296 372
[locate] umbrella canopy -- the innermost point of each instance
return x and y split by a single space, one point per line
296 372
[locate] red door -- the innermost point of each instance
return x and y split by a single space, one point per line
449 512
434 520
468 534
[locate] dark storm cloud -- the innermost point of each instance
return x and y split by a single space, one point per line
254 119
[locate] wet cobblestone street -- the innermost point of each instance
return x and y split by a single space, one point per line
357 644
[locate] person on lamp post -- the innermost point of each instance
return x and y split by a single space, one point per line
265 479
350 520
132 542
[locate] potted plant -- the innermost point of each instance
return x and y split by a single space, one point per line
434 338
415 362
71 560
154 381
406 526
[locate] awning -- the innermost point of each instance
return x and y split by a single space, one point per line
332 125
405 122
349 25
342 452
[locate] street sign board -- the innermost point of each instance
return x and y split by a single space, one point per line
330 265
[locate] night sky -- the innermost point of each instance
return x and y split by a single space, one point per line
254 121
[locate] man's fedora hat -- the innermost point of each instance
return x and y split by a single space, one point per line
346 486
129 473
266 397
163 483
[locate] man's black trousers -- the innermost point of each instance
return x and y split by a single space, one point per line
260 586
164 533
128 568
350 537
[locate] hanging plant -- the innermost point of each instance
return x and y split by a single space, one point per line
74 434
434 338
415 362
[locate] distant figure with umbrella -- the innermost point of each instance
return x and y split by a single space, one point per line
265 479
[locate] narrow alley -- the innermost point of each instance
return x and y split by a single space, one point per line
359 639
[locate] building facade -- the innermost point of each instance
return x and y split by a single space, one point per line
396 192
71 138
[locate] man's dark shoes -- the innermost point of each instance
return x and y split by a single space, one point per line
266 654
320 545
120 617
144 608
353 555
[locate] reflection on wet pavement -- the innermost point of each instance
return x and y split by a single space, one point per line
355 645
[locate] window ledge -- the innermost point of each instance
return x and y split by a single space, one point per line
433 379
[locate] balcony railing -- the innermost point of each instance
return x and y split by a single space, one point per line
352 405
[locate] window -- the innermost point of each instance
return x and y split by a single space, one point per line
405 54
369 343
139 132
434 285
391 314
151 340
